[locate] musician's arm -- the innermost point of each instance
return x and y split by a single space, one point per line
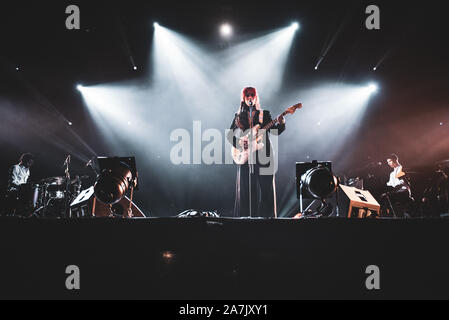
279 126
15 176
400 173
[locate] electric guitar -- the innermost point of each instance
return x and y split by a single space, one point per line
254 138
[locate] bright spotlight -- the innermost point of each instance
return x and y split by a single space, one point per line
375 68
155 24
135 68
295 25
372 88
79 87
226 30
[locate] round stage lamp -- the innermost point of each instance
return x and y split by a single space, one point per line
319 182
113 183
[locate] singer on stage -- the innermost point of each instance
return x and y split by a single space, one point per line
262 202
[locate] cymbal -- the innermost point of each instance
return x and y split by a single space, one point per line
62 180
54 180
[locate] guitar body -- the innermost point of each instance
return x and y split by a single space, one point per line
241 155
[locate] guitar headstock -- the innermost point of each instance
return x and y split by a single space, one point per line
293 108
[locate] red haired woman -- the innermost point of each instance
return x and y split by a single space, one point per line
255 188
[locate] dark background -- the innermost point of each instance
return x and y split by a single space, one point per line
404 117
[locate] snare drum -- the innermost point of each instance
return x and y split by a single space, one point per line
58 194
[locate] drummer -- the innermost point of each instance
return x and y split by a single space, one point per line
20 173
18 176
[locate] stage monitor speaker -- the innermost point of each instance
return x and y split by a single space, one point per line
86 205
357 203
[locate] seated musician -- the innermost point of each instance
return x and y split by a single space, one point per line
398 188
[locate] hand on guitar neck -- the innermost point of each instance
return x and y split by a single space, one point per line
281 119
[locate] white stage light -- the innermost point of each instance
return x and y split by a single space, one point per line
372 88
295 26
135 68
155 24
375 68
226 30
79 87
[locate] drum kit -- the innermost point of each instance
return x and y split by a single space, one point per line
48 198
429 185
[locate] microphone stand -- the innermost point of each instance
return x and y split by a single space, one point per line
67 187
250 159
91 164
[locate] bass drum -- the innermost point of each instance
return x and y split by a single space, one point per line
55 191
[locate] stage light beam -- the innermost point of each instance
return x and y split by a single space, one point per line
372 88
260 62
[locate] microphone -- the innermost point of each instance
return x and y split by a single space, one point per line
251 107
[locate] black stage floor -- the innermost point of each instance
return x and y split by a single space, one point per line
223 258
